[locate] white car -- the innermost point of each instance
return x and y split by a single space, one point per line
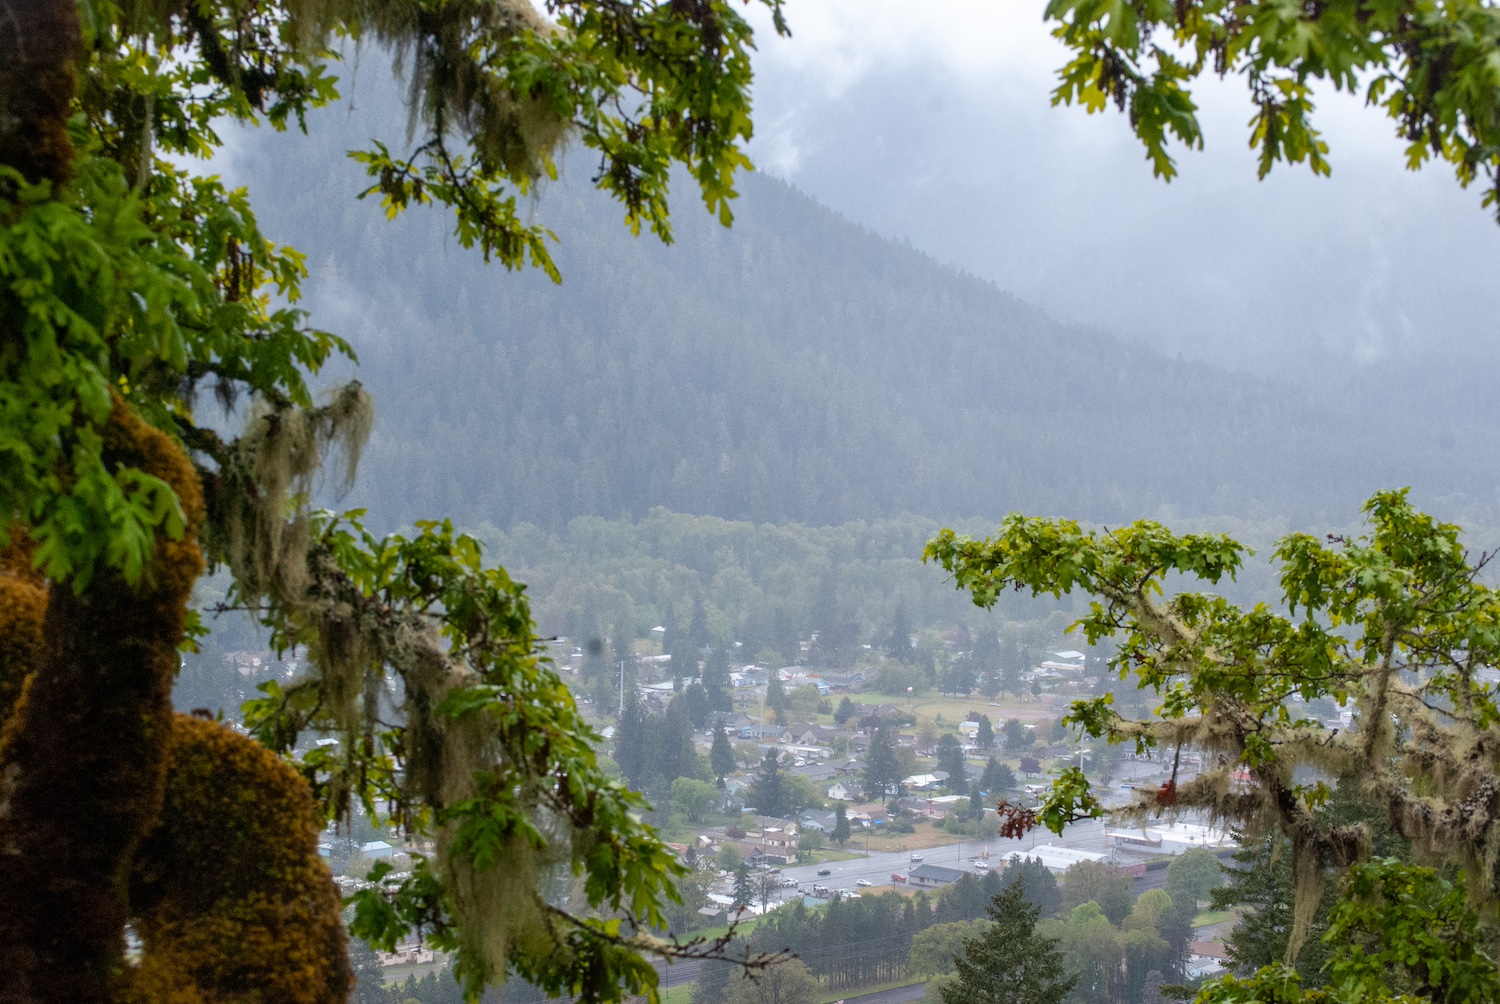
864 883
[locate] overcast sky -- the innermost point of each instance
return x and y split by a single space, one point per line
931 121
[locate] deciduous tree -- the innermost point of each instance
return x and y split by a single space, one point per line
1394 622
132 281
1429 67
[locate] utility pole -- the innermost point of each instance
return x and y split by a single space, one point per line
622 690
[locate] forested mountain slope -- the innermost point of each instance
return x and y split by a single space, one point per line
792 368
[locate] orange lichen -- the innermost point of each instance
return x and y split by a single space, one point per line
229 895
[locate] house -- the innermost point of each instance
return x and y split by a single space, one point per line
775 832
733 720
1206 958
932 876
843 683
818 773
925 782
840 792
377 849
763 733
808 734
822 822
843 768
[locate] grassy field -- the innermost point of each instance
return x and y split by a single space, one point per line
1212 917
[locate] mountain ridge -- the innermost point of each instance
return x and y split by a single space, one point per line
795 368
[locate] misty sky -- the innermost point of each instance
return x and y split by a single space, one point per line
932 122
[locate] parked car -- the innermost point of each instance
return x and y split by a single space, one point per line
915 858
862 883
897 877
823 871
981 865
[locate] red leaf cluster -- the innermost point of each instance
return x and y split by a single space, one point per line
1015 820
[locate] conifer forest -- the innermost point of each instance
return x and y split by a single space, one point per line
749 502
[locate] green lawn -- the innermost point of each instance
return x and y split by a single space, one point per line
1212 917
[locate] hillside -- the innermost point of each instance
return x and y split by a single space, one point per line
794 368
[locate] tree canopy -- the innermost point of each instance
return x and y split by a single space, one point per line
132 281
1431 67
1395 624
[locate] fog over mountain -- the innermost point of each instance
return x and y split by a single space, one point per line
936 126
800 367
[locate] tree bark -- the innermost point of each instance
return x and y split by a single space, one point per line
40 44
83 753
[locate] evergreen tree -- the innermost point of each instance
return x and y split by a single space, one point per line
670 752
721 756
882 768
369 985
716 681
630 741
698 628
776 699
997 777
1038 885
1008 963
950 758
844 712
984 738
769 792
744 889
986 652
840 825
695 703
1016 736
898 640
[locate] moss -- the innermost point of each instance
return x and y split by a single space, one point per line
83 752
23 606
229 895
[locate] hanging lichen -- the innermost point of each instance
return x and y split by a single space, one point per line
1395 624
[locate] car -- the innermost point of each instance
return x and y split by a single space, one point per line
897 877
981 865
915 858
823 871
863 883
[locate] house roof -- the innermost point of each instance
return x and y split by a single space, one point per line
1209 949
937 873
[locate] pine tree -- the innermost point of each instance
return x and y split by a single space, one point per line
369 981
716 681
997 777
844 712
695 700
630 741
984 738
882 769
898 641
840 825
950 758
1009 963
721 756
768 792
744 890
776 699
